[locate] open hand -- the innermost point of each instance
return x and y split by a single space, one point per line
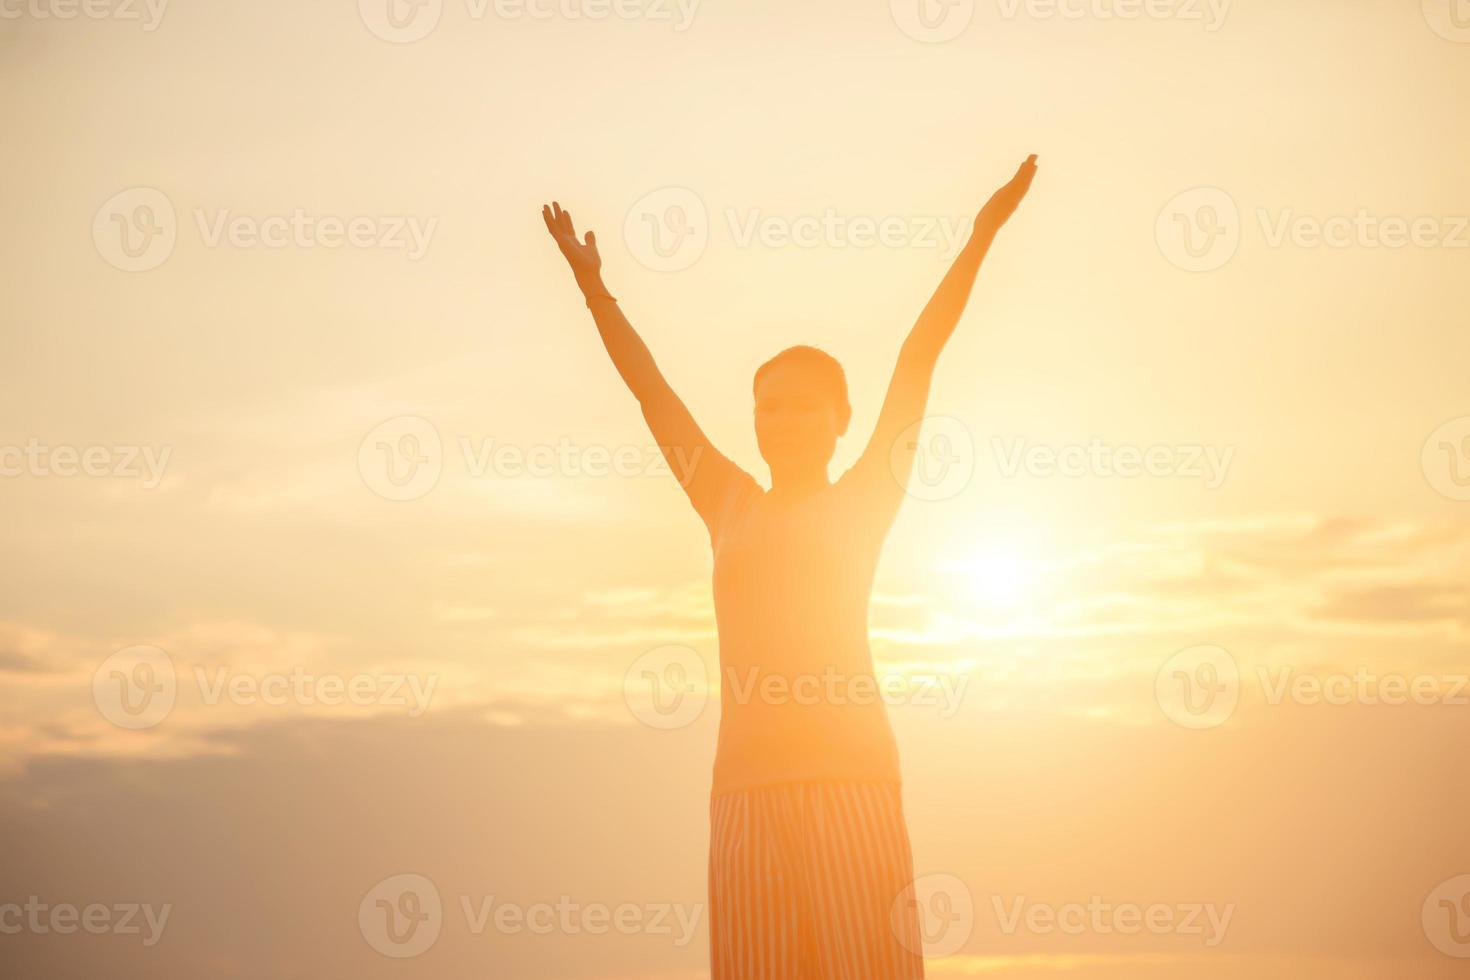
582 256
1003 203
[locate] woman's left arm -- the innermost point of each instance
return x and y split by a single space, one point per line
908 391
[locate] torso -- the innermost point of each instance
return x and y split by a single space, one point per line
799 701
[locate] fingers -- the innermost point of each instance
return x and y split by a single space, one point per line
558 221
1025 174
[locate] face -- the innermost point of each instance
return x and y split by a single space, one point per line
796 421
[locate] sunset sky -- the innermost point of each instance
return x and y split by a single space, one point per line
1306 403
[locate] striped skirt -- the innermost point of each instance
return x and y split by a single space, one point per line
810 880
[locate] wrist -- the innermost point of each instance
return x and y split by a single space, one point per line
597 293
985 231
981 240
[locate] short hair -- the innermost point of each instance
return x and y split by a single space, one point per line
824 369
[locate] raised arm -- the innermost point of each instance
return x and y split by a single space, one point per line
885 466
704 473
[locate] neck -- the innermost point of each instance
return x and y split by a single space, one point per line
798 480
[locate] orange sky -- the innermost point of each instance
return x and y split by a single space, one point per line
1308 401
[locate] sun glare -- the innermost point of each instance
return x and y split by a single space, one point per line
997 577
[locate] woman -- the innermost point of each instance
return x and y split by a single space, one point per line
809 852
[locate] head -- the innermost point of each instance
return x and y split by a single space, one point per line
801 408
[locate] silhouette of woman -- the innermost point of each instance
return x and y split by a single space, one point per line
809 851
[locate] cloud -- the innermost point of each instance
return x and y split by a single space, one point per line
266 846
12 661
26 649
1087 627
1414 604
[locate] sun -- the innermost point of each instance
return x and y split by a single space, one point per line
999 579
1002 576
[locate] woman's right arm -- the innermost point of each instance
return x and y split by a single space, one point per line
705 474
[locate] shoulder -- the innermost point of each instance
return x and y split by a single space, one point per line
870 496
735 499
